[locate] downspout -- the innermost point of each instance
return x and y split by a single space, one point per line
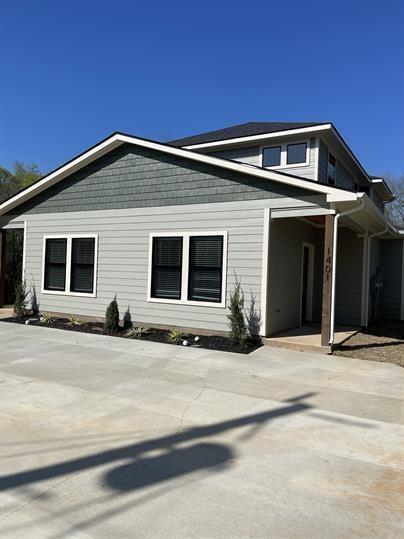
368 271
334 265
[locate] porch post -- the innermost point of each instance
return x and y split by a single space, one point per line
327 278
2 267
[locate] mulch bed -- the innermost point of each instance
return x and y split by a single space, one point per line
210 342
381 341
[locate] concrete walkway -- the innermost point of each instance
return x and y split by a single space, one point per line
104 437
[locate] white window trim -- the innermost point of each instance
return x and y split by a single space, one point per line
284 155
67 292
185 268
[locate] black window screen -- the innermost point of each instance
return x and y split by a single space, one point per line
82 271
296 153
205 268
55 264
166 268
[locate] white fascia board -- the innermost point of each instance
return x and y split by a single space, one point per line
258 138
333 194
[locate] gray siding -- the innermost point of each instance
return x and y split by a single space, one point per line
285 267
251 155
344 178
375 278
134 177
391 260
377 199
123 248
322 163
349 278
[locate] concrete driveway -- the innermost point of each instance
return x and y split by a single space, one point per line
104 437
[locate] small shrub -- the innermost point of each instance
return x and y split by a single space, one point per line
20 303
175 336
74 321
111 324
46 319
136 333
237 325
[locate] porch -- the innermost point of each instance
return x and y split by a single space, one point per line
307 338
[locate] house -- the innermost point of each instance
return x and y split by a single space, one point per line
286 208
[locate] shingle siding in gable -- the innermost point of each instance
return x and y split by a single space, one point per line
133 177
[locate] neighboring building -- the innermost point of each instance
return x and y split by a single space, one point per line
168 228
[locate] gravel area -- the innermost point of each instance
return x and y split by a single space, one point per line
382 341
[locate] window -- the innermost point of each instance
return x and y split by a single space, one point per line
205 268
167 267
188 268
70 265
296 153
287 155
271 157
332 170
82 269
55 264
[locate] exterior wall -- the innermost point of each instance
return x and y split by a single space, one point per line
322 162
285 271
348 295
123 247
377 199
344 178
251 155
392 274
134 177
375 279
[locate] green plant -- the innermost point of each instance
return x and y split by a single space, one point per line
20 303
111 323
237 325
46 318
136 333
175 336
74 321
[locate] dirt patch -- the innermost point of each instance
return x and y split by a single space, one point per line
381 341
210 342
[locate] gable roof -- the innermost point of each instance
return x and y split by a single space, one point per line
242 130
115 140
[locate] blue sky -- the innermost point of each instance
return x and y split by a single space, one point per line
74 72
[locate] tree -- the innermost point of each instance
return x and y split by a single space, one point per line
237 325
111 324
395 210
20 177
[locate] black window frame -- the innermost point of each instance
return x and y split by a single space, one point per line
334 177
179 269
191 268
46 286
74 264
305 143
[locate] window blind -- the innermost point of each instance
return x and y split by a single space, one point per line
205 268
82 268
55 264
166 267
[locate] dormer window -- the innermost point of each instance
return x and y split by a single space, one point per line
271 157
295 154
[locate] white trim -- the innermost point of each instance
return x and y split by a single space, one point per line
316 159
264 271
310 281
14 225
67 292
24 250
284 155
185 268
254 138
116 140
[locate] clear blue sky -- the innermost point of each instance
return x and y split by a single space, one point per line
73 72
